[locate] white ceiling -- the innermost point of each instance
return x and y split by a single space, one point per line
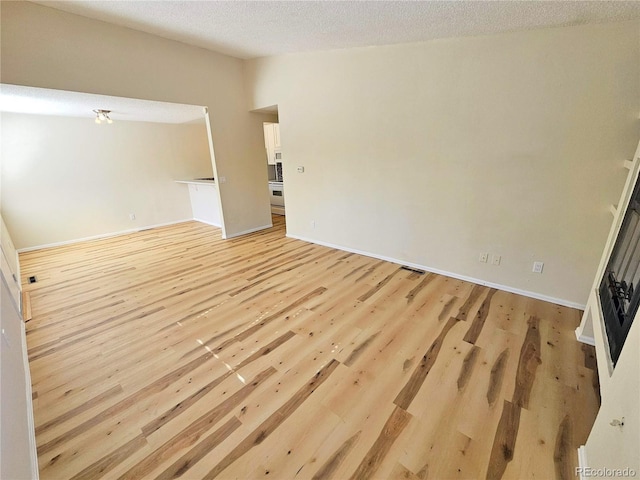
248 29
42 101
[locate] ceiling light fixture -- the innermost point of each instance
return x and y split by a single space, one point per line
103 116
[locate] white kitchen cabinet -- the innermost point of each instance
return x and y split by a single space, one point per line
276 135
271 141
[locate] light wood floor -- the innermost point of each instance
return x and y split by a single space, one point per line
171 352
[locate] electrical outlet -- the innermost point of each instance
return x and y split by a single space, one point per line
300 169
313 224
495 260
537 267
132 216
223 179
484 257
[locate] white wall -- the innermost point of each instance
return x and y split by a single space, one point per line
610 446
432 153
67 178
47 48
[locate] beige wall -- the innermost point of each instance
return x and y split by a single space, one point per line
66 178
43 47
432 153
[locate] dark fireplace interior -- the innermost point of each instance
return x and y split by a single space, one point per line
619 292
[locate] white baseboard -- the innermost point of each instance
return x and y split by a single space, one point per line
584 339
33 454
138 229
103 235
506 288
251 230
582 461
207 222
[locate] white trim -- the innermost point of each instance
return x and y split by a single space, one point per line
35 474
251 230
614 231
621 207
506 288
605 337
584 339
216 173
582 461
103 235
207 223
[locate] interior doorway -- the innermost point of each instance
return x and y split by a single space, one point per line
273 151
111 164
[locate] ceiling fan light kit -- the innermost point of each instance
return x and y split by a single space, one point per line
103 116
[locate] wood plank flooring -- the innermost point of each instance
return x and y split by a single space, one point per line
173 353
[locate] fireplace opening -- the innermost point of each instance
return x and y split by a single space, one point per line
619 290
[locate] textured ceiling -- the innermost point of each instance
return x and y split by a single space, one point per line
42 101
248 29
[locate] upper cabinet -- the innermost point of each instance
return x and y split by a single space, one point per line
272 142
276 135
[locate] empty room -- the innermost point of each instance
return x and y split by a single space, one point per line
320 240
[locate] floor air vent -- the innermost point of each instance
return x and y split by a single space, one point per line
414 270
